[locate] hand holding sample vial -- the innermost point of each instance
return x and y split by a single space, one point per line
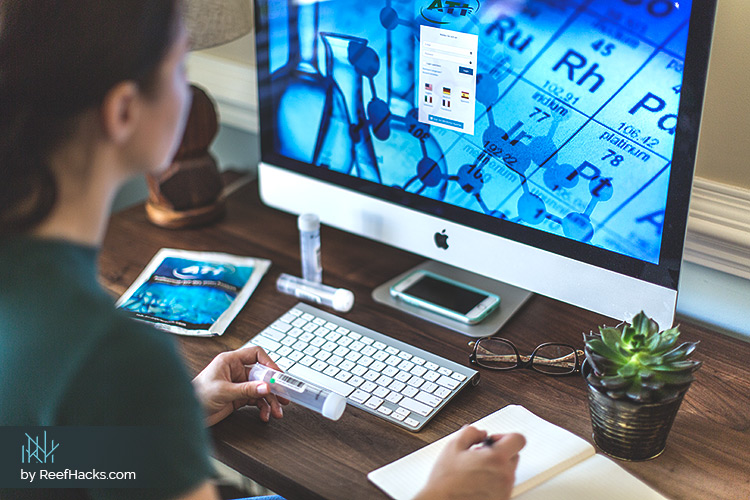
328 403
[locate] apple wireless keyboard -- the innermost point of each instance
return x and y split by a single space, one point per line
392 380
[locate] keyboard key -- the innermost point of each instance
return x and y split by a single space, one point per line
322 355
318 341
266 343
384 410
417 360
416 406
431 366
329 346
319 366
296 356
344 341
355 381
458 376
310 327
299 322
360 396
272 333
431 376
377 366
410 391
415 382
335 360
450 383
378 345
285 350
346 365
322 331
405 365
365 361
391 350
331 371
393 360
380 355
284 363
368 350
331 326
306 337
281 326
333 336
397 386
390 371
356 345
411 422
307 360
442 392
402 411
383 380
311 350
366 340
418 371
300 345
321 379
396 416
371 375
444 371
341 351
368 386
403 376
374 402
308 317
319 321
353 356
359 370
355 335
295 332
342 330
428 399
429 387
343 376
394 397
404 355
274 356
381 392
288 340
295 312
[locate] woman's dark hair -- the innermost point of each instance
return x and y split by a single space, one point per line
59 58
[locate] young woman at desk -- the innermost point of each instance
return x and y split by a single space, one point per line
93 92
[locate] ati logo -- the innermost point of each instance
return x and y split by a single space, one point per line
439 8
441 240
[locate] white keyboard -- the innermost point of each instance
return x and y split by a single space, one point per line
381 375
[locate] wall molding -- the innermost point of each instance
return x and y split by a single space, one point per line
718 235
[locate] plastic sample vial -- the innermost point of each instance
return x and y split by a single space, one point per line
327 403
309 246
339 299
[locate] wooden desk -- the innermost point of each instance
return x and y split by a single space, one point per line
305 456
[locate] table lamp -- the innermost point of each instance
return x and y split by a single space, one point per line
188 193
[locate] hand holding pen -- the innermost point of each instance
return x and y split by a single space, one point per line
464 470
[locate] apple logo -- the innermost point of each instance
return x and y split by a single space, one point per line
441 240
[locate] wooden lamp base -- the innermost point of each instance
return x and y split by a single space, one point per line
188 194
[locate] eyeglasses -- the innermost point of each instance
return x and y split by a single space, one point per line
550 359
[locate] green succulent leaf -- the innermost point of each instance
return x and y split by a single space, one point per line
614 382
628 370
611 337
687 365
599 347
680 353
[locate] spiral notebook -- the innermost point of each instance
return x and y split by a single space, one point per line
554 464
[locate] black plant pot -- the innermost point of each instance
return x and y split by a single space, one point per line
627 430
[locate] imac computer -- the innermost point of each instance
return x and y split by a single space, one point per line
549 144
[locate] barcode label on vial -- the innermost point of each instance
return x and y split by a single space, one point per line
289 382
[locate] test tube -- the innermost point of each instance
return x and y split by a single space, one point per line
328 403
309 243
339 299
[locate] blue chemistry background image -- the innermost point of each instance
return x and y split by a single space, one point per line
575 107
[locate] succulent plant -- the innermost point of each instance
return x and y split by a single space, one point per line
638 362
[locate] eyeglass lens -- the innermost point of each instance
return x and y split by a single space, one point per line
554 359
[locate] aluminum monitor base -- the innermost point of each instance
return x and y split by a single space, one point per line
511 299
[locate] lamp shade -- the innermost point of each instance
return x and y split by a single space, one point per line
215 22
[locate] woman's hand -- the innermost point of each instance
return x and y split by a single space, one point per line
222 386
464 470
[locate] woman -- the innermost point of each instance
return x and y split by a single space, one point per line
93 92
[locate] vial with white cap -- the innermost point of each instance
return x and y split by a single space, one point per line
339 299
328 403
309 246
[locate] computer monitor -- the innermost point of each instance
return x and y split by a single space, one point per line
549 144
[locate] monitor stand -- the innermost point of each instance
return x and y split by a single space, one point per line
511 299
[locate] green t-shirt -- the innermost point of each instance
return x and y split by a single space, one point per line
68 358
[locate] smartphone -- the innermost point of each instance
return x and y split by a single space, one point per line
445 296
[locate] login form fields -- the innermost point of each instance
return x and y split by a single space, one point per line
447 78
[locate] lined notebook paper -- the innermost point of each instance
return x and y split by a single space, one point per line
555 463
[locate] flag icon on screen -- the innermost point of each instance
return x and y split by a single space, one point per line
446 91
464 95
428 87
428 99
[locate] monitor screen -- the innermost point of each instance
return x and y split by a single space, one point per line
561 125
